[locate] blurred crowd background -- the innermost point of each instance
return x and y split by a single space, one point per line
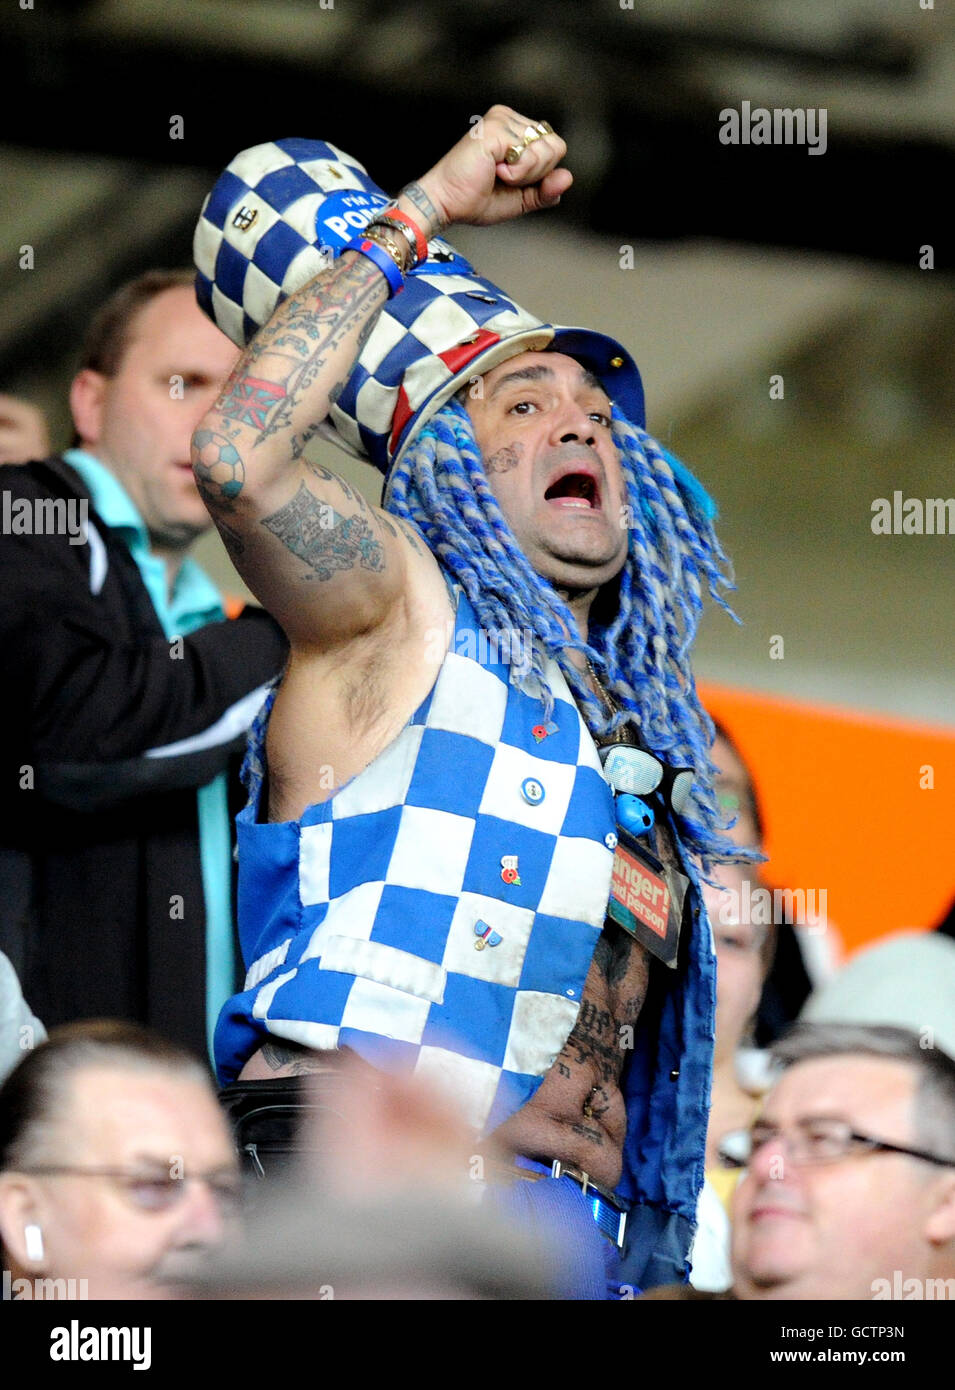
747 263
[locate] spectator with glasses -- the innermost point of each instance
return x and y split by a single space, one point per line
850 1185
850 1189
116 1166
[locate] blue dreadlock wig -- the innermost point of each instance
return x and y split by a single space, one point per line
641 654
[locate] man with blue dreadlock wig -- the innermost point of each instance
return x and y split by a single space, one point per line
480 797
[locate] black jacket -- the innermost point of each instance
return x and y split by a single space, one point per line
101 902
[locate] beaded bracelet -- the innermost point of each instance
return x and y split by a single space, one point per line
386 263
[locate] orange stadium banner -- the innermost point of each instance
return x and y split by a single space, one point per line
861 806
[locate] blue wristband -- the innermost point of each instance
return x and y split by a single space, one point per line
382 260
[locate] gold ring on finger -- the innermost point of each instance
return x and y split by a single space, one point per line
545 127
513 154
531 133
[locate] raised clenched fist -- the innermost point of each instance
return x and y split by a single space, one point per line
474 183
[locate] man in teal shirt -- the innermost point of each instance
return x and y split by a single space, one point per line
132 693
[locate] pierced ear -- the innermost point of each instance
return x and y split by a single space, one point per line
87 401
940 1226
18 1210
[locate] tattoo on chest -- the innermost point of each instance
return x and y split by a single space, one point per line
612 956
612 1002
326 541
593 1043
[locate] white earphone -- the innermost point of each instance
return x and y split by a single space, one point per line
33 1238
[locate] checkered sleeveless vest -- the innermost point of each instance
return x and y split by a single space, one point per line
440 911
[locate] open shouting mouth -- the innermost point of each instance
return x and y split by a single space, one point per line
574 490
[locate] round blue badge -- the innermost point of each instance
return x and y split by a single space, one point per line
532 791
344 214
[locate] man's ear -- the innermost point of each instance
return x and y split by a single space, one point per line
940 1226
19 1208
87 403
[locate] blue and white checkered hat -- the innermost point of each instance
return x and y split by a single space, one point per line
280 214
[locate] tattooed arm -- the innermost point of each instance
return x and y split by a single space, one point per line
310 548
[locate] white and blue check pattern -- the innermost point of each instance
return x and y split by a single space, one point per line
280 214
360 920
